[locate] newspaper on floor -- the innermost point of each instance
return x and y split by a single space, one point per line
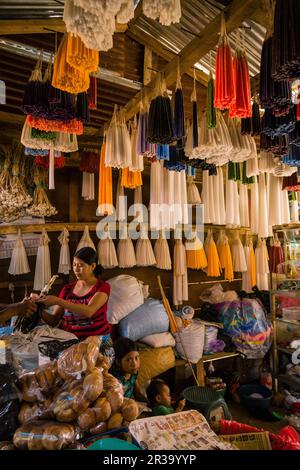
187 430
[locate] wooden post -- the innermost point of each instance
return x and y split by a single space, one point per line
147 65
74 185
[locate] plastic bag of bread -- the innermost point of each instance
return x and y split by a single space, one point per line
79 359
130 409
44 435
93 385
29 412
111 383
115 421
91 417
69 404
115 399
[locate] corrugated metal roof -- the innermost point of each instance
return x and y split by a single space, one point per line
196 14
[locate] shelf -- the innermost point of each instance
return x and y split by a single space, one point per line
290 322
286 293
210 357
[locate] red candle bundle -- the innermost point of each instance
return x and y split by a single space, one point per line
241 106
224 84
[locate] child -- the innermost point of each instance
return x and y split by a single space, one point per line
159 397
126 367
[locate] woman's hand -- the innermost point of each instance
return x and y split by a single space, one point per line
25 308
48 300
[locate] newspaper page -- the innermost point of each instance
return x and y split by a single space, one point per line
249 441
187 430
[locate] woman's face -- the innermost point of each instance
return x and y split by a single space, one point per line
130 363
81 269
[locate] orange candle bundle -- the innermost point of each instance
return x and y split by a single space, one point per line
105 193
131 179
69 127
225 256
65 77
213 261
195 254
79 56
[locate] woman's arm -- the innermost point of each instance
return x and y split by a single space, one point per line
96 302
53 319
21 309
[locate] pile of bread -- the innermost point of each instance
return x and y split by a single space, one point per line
67 398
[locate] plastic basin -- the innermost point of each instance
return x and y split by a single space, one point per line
291 313
255 403
112 443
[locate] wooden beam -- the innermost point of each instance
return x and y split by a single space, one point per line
235 14
147 76
8 27
135 33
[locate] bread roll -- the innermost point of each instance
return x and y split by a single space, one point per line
103 362
31 390
57 436
115 399
25 413
87 419
130 409
35 438
93 385
62 408
115 421
79 403
46 376
102 409
20 438
99 428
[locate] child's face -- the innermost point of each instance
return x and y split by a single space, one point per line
130 363
164 397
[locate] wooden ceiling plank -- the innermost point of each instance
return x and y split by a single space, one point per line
9 27
235 14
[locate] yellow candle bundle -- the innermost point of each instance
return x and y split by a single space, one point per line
213 261
79 56
195 254
105 193
131 179
225 256
252 264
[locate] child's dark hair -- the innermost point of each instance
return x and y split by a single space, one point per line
123 346
154 389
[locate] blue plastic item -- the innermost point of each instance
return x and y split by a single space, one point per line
112 443
148 319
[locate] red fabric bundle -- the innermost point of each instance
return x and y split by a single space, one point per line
276 257
224 83
90 161
241 106
92 93
287 439
43 161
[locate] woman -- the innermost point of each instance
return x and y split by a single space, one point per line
81 306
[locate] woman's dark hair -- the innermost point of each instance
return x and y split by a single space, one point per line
122 347
89 256
154 389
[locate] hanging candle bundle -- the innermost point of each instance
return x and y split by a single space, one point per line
292 158
195 254
105 196
195 113
262 265
82 108
34 98
180 280
162 253
160 121
225 256
142 145
118 144
211 120
193 195
73 126
291 183
43 160
276 255
213 261
85 240
224 84
92 92
241 105
143 249
137 161
244 205
19 261
255 120
79 56
286 41
107 251
166 11
64 264
263 226
88 186
276 125
89 161
131 179
126 254
178 125
249 276
42 274
238 254
65 77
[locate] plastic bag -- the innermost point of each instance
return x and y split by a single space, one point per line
79 359
44 435
159 340
39 384
8 389
148 319
190 341
245 322
8 419
215 295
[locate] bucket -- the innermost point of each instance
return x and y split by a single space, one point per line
112 443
